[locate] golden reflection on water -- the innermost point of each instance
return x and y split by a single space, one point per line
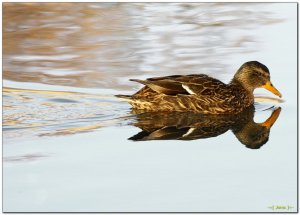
191 126
54 112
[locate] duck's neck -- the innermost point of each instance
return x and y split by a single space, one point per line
246 92
243 84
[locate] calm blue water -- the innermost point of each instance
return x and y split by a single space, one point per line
65 136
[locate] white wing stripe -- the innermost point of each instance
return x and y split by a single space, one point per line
187 89
189 132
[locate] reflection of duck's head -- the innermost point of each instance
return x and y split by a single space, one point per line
254 75
254 135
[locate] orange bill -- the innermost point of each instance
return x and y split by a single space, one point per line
272 119
269 86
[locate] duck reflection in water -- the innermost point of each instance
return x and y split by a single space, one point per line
192 126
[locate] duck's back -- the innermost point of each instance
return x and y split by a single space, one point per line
178 84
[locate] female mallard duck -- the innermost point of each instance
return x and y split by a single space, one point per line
201 93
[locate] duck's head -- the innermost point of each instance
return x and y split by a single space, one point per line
254 75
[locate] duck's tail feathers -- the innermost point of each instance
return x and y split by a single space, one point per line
125 97
139 136
139 81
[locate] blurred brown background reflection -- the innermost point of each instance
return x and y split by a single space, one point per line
99 45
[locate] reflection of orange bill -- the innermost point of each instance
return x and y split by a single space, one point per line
269 86
272 119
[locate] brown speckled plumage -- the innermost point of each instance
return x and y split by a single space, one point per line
201 93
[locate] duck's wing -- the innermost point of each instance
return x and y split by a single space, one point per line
168 87
165 133
182 84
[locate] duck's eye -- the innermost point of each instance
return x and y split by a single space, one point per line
258 75
255 75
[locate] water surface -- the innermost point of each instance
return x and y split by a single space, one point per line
66 138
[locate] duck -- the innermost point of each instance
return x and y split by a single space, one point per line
200 93
188 126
